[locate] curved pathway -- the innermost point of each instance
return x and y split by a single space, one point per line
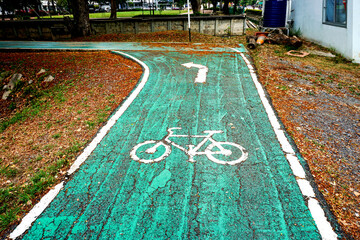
192 153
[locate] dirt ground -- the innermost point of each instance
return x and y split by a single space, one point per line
317 99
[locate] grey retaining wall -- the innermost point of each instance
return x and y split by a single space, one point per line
58 29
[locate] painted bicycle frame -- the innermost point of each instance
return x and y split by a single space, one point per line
193 150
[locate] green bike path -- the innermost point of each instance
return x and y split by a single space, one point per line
112 196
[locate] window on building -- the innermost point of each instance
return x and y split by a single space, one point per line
335 12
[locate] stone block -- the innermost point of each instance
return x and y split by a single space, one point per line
160 26
177 25
144 27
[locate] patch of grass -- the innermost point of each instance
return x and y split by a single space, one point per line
56 135
90 124
101 116
12 198
70 151
283 87
289 48
74 148
59 97
18 117
317 144
36 104
323 80
59 121
53 169
311 93
111 96
12 106
32 91
8 172
8 217
38 158
355 90
48 147
35 147
333 76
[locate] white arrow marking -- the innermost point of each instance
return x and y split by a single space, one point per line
201 76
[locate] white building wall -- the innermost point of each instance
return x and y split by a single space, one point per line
308 17
356 30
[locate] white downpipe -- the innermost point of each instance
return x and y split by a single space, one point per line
288 14
188 4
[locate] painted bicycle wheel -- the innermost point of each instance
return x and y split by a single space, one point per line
150 151
226 153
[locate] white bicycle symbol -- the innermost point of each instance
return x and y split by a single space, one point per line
156 153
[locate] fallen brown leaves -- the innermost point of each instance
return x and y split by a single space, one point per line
88 86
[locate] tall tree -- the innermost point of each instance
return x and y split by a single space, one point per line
214 3
53 6
195 4
81 18
236 2
180 3
113 9
226 7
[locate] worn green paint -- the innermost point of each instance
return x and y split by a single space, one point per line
114 197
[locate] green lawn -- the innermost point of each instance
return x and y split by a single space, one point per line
127 14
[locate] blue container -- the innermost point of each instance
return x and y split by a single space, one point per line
275 13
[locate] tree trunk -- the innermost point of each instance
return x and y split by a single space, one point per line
81 18
3 12
37 8
226 7
236 2
195 4
113 9
48 5
214 3
53 7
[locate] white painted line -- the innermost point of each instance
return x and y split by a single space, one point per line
36 211
296 166
201 75
104 130
323 225
46 200
306 188
284 142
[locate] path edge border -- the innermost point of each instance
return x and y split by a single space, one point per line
322 223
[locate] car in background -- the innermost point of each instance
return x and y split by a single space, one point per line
105 8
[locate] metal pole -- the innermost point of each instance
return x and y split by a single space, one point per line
142 7
188 6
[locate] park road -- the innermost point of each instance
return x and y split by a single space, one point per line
194 156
